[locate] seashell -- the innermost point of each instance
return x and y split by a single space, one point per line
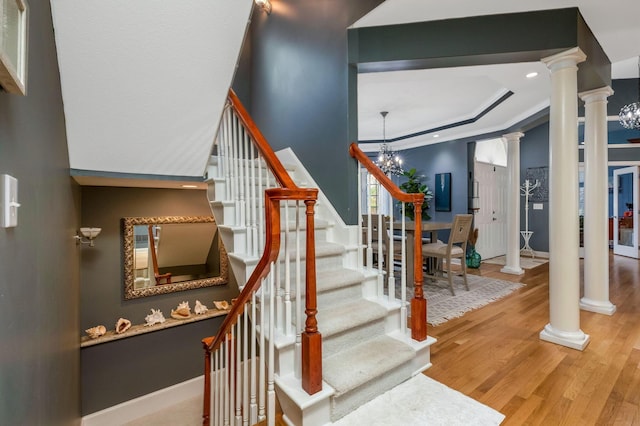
122 325
200 308
155 317
182 311
222 305
97 331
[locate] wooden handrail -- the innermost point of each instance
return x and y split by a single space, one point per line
311 338
271 250
388 184
270 157
418 303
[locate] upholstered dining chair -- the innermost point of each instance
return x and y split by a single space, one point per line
455 248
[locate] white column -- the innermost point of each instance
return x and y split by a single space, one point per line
513 204
564 262
596 226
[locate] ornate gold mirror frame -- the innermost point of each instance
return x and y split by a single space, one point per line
131 292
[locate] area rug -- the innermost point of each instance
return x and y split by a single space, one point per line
442 306
525 261
422 401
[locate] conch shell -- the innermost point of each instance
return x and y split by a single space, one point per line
97 331
122 325
155 317
182 311
200 308
222 305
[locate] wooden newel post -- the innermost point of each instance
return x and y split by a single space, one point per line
311 338
418 303
206 403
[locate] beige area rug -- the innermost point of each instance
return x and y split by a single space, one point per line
422 401
442 306
525 261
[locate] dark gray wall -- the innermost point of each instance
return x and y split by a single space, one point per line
155 360
299 88
39 289
534 152
446 157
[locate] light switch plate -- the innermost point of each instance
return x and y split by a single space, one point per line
8 201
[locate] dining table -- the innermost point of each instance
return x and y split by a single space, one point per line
430 227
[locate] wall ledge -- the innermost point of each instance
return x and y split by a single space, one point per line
135 330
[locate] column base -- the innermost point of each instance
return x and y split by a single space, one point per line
571 339
512 270
596 306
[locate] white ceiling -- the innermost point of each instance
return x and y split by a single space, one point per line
447 96
144 82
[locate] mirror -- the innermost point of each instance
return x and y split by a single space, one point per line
175 253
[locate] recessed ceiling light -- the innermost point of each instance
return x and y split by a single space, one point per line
532 74
436 135
189 186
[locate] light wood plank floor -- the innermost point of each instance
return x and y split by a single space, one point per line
495 355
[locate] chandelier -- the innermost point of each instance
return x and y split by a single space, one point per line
630 114
388 161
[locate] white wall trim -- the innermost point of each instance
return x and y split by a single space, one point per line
146 404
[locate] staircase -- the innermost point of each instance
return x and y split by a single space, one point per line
366 348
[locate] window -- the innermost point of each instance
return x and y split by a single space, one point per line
374 196
13 46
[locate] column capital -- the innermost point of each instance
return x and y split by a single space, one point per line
568 58
595 95
513 137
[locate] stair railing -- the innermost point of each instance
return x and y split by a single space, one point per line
379 242
239 361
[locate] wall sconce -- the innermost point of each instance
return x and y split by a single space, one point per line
264 5
89 233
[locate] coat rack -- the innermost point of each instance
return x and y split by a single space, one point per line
526 189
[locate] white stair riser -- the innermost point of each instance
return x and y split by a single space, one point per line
224 213
234 239
344 404
346 339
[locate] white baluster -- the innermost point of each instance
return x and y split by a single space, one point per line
254 202
253 418
236 174
271 393
391 279
360 227
287 273
299 321
245 368
227 376
403 274
227 155
232 368
380 251
238 375
261 364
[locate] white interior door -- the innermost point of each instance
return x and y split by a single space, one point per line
625 204
491 218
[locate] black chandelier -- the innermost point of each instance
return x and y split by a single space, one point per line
629 115
388 161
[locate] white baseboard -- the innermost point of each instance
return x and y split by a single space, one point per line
146 404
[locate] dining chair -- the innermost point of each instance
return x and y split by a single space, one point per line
455 248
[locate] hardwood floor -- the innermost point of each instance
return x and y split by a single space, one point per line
495 355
